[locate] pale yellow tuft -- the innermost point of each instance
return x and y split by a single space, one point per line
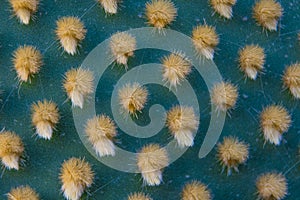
11 149
223 7
109 6
122 46
160 13
205 39
195 190
232 153
133 97
183 124
100 131
78 84
76 176
70 32
274 121
291 79
22 193
150 160
175 68
267 13
45 116
224 96
139 196
24 9
251 60
271 186
27 62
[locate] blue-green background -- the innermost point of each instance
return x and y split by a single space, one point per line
44 158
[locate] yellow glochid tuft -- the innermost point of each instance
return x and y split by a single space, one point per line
150 161
175 68
24 9
205 39
122 46
271 186
251 60
224 96
100 131
232 153
45 116
183 124
139 196
23 193
160 13
133 97
291 79
78 84
11 149
76 176
267 13
70 32
274 121
195 190
223 7
109 6
27 62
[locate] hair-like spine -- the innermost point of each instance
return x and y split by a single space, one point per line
251 60
205 39
291 79
76 176
109 6
195 190
133 97
224 96
175 68
78 83
160 13
271 186
232 153
122 46
24 9
183 123
27 62
23 193
139 196
70 32
274 121
100 131
45 116
150 161
11 149
223 7
267 13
